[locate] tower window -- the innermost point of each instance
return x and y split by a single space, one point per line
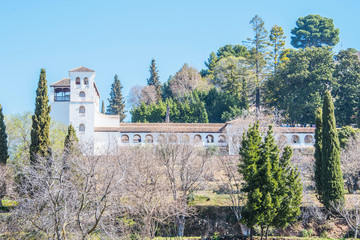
86 81
82 127
62 94
82 110
82 94
77 81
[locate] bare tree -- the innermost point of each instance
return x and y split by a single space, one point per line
351 213
184 167
134 97
350 166
185 80
73 198
146 191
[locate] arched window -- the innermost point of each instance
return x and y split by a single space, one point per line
295 139
137 139
197 138
161 139
82 110
82 94
125 138
77 81
309 139
149 139
283 139
209 139
222 139
173 138
86 81
185 138
82 127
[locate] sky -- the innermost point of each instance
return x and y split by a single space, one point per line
121 37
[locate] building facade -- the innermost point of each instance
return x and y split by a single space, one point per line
76 100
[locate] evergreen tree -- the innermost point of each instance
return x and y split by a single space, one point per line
317 155
244 96
4 155
277 43
258 53
102 107
332 178
116 100
358 115
71 141
154 79
40 141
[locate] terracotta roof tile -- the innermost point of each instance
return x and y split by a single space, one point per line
166 127
65 82
81 69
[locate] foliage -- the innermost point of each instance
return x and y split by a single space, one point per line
40 121
186 109
116 100
102 107
346 89
314 30
298 86
318 168
346 133
277 44
258 53
154 79
4 155
332 178
273 187
71 143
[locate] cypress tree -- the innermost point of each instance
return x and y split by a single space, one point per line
40 141
317 155
332 178
71 141
116 100
102 107
4 155
154 79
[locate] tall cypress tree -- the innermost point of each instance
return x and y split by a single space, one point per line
40 141
317 155
4 155
154 79
332 178
71 141
116 100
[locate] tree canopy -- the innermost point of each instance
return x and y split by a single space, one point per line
314 31
116 100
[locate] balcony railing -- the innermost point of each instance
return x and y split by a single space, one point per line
62 98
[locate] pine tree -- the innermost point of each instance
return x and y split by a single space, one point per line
3 140
317 155
259 43
244 100
332 178
102 107
154 79
277 42
116 100
40 141
71 141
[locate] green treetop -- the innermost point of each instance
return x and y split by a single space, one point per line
332 178
258 53
3 140
277 44
116 100
154 79
40 121
314 30
71 141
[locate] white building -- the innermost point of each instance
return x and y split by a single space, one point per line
76 100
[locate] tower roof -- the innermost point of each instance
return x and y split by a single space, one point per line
81 69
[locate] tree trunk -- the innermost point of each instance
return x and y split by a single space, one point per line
251 233
356 232
180 222
262 233
267 232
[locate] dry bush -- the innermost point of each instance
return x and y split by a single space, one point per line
350 157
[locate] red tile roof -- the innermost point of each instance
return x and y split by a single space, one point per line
81 69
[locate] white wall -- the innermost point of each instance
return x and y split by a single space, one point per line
102 120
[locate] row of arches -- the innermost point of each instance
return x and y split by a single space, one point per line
295 139
78 81
172 138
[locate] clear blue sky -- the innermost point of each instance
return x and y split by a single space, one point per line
121 37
